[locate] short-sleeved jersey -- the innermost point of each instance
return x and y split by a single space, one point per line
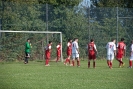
131 48
69 47
121 47
58 47
48 48
27 47
91 48
111 47
75 47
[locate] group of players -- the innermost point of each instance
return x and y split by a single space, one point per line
73 50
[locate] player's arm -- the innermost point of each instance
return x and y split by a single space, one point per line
50 49
124 51
95 48
114 49
77 48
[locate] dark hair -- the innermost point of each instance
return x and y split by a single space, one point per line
75 39
122 39
50 42
28 39
92 40
69 40
112 39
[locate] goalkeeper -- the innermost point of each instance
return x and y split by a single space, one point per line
27 51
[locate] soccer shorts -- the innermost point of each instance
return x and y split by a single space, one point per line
69 53
110 56
119 55
27 54
92 56
75 55
47 55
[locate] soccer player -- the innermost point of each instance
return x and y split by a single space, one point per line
92 50
27 51
120 52
75 52
47 53
131 56
111 51
58 51
69 51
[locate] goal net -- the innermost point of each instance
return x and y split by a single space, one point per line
12 44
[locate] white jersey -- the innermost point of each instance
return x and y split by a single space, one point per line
131 57
75 47
110 48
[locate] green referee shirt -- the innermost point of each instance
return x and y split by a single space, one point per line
27 47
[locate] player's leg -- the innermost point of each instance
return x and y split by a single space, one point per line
73 58
78 60
130 61
108 60
89 59
111 60
94 61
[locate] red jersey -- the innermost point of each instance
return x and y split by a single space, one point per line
91 48
47 51
121 47
69 48
58 47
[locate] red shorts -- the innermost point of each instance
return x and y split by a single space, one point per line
119 55
93 56
47 55
69 53
58 54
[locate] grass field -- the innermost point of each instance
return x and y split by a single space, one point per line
16 75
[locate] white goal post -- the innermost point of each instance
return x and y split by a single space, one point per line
9 31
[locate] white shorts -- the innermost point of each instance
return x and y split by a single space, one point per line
110 57
75 55
131 57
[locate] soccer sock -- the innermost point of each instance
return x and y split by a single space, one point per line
120 62
89 64
73 62
130 63
108 62
66 60
94 64
69 61
46 61
78 63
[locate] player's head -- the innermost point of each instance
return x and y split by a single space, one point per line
122 39
75 39
132 41
28 40
50 42
92 40
113 40
69 40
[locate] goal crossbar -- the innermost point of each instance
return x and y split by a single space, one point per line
9 31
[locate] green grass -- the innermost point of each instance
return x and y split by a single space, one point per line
16 75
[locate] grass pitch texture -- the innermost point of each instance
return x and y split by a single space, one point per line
35 75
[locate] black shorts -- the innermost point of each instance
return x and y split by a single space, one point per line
27 54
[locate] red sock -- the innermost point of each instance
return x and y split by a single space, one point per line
130 63
120 62
88 64
46 61
66 60
93 64
108 62
78 63
73 63
69 61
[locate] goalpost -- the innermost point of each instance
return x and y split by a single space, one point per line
37 32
